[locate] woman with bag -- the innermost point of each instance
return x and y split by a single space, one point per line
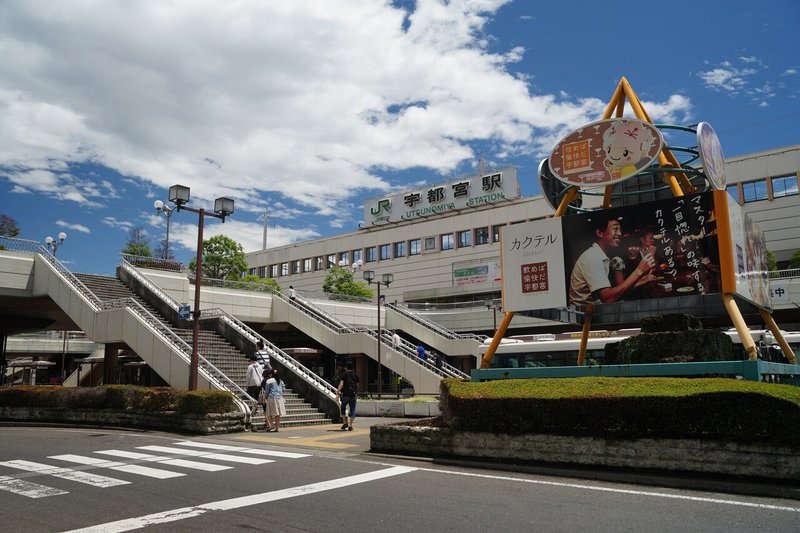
276 406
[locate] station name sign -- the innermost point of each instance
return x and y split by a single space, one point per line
442 199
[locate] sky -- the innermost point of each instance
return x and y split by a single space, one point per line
303 110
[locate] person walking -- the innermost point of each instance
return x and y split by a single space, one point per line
421 352
346 392
292 293
253 381
276 405
262 356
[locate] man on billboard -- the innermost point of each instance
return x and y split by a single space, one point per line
591 280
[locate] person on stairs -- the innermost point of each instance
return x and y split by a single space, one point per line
276 405
253 382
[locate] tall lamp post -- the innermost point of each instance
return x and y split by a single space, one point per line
386 279
223 207
163 209
53 244
491 304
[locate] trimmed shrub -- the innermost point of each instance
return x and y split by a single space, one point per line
676 346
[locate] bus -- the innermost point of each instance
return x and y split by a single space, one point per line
561 349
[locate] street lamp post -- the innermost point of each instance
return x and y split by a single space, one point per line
163 209
223 207
386 279
53 244
490 304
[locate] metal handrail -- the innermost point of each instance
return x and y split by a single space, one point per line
409 351
433 326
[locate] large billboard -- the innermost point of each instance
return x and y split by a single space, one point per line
448 198
688 245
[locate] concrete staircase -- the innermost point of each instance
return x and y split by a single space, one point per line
214 348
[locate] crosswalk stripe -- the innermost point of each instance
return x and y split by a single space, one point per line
121 467
87 478
208 467
27 488
254 451
217 456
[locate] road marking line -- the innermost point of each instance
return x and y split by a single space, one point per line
255 451
94 480
196 465
28 488
175 515
311 442
121 467
620 491
217 456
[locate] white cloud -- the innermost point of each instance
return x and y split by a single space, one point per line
789 72
305 103
729 78
77 227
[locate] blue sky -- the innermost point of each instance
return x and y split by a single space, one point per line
303 110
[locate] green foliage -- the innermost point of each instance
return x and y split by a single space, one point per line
340 281
119 397
8 226
223 258
676 346
794 261
772 262
703 408
138 243
269 282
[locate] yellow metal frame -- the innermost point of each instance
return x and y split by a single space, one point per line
679 184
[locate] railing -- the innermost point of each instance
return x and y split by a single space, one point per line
784 274
153 262
288 361
433 326
409 351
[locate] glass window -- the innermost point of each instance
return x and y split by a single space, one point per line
400 249
481 235
733 190
430 244
370 255
307 265
415 247
319 263
344 259
496 233
753 191
356 256
284 269
262 272
273 271
296 267
330 261
385 252
784 186
447 241
464 239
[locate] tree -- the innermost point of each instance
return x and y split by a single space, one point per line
138 243
340 281
161 250
772 262
8 226
794 261
269 282
223 258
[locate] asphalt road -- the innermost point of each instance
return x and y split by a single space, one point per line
319 479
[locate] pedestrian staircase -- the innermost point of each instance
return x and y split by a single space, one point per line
214 348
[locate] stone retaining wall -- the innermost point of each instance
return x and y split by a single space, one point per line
671 455
169 421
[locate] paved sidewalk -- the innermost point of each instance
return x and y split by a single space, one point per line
322 437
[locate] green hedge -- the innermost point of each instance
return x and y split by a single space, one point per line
675 346
703 408
154 399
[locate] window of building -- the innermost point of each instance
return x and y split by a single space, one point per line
284 269
370 255
295 266
344 259
400 249
784 186
307 265
447 241
385 252
482 235
356 256
319 263
464 239
496 233
753 191
273 271
252 271
415 247
430 244
330 260
262 272
733 190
